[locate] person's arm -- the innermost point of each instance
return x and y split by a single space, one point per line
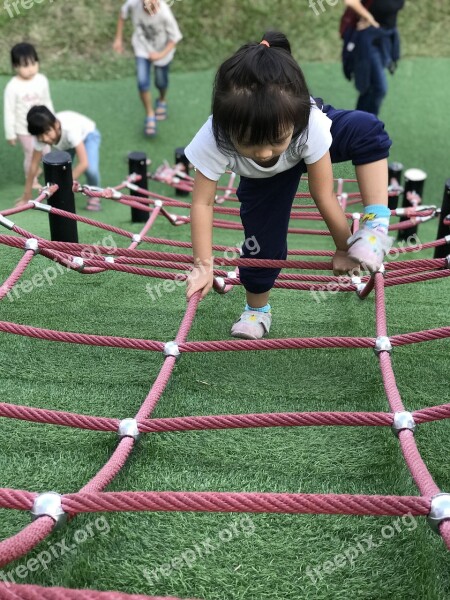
153 56
9 116
82 162
362 11
321 188
173 34
47 99
32 173
118 40
202 210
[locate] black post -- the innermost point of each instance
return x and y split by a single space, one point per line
58 169
444 230
182 161
412 196
395 187
137 163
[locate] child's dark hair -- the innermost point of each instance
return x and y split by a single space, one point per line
40 119
259 93
23 54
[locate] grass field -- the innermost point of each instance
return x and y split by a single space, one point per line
212 29
269 555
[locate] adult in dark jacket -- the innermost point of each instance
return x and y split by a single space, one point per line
375 47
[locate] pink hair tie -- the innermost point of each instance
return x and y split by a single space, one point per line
265 43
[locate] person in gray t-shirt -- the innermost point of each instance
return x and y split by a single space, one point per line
156 34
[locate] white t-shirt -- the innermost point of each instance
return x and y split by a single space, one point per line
204 154
74 129
152 33
19 96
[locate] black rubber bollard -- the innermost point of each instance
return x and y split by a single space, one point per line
183 162
58 169
137 163
412 196
395 187
443 229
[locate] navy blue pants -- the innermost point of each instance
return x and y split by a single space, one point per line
266 203
370 100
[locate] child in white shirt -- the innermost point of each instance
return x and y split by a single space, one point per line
26 89
156 33
69 131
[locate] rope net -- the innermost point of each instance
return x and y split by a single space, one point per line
86 259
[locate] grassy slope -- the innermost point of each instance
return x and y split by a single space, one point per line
212 29
271 563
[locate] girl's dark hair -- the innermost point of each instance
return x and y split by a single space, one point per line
23 54
40 119
259 93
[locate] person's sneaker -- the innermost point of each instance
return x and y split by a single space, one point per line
369 247
252 325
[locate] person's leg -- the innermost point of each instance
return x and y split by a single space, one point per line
26 141
360 137
265 213
92 144
161 83
143 67
370 101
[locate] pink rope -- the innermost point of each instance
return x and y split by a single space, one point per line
54 417
222 346
9 591
435 413
130 260
17 273
251 502
266 420
416 466
20 544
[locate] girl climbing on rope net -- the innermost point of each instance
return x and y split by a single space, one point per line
266 127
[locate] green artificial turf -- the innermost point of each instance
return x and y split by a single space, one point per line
267 556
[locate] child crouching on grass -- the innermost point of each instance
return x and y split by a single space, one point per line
69 131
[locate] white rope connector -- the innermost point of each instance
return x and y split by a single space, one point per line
116 195
32 244
220 285
128 428
440 511
171 349
49 504
382 344
6 222
79 262
403 420
40 206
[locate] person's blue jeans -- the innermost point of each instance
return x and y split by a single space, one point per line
143 69
370 101
92 144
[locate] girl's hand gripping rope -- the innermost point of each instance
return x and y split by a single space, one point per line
200 278
343 264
